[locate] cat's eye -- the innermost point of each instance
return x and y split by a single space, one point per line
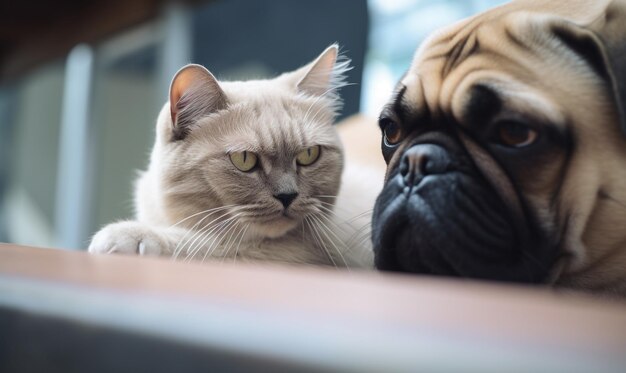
308 156
244 161
515 135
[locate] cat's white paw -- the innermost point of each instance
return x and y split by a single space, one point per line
129 237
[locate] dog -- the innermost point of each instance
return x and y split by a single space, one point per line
506 150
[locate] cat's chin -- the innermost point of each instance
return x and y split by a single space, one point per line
274 229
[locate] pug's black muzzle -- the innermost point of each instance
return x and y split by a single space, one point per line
438 215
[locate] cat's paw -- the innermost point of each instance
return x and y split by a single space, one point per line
129 237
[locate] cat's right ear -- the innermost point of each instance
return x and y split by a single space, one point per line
194 93
327 73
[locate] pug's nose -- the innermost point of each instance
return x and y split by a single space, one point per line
422 160
286 198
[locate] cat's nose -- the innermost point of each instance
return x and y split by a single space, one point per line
286 198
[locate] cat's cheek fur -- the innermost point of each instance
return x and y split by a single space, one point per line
324 173
130 238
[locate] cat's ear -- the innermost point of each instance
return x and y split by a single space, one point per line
325 74
194 93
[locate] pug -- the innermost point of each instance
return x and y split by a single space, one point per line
506 150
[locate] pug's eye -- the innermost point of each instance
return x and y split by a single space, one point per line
392 132
516 135
308 156
244 161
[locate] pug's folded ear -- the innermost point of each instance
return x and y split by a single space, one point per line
194 93
603 45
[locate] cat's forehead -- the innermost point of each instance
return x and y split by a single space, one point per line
270 124
278 129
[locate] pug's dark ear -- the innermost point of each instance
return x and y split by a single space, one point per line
603 45
194 93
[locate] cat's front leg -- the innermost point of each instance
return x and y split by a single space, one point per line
134 238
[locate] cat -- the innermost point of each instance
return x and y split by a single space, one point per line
246 171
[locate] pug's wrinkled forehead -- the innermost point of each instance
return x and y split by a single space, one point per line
481 97
463 75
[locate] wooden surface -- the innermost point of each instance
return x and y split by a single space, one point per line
478 325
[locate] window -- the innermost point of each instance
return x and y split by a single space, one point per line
397 29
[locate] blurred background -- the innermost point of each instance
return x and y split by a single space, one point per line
81 83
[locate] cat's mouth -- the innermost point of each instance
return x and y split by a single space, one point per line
287 215
274 228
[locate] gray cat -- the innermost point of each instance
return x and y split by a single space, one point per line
246 171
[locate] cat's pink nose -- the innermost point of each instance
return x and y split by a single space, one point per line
286 198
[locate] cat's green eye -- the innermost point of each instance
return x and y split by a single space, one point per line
244 161
308 156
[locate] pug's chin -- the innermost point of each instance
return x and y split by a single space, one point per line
273 229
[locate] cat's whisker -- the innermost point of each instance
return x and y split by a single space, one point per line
200 213
319 240
328 213
328 204
220 236
193 229
325 230
364 231
332 244
325 209
253 208
365 238
270 216
195 236
231 242
359 239
332 207
321 199
357 217
365 227
348 222
355 238
216 236
338 227
210 235
203 236
316 240
328 217
243 234
232 233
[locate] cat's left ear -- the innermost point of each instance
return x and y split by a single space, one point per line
325 74
194 93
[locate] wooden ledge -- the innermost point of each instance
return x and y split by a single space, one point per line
380 320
